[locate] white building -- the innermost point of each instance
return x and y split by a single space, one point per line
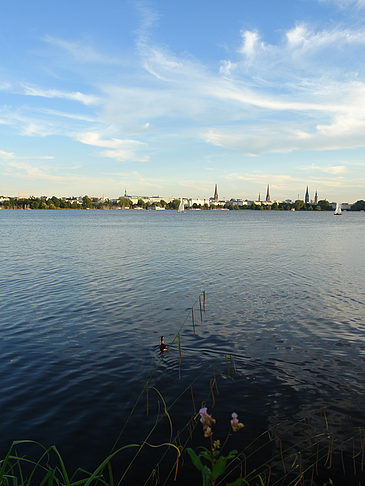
237 202
198 202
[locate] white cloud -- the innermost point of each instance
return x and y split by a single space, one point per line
123 150
81 50
71 116
301 37
54 93
227 68
345 3
5 86
6 155
334 169
11 156
251 43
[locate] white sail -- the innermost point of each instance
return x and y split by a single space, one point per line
181 207
338 209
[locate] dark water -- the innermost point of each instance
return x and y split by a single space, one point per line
85 296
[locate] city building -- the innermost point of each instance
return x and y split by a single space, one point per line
237 202
215 197
198 202
268 194
306 197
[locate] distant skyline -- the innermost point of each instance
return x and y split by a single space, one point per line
171 97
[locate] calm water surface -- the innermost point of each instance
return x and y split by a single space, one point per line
85 296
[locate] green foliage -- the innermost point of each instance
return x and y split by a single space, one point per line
299 205
173 204
87 202
325 205
124 202
358 206
217 464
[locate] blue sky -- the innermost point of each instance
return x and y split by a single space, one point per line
170 97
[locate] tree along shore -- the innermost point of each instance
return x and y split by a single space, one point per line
124 203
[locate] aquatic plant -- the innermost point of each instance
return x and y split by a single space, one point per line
210 461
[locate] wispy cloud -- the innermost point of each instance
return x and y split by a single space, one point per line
81 50
55 93
305 91
334 169
118 149
6 155
345 3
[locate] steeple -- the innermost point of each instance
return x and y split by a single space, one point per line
306 198
268 193
316 198
125 192
215 197
259 199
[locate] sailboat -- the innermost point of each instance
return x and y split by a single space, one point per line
181 207
338 209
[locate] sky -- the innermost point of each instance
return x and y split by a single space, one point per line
170 97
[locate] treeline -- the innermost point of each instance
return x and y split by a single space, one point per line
298 205
123 202
85 203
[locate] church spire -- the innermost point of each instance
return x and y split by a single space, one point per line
215 197
306 198
316 198
268 194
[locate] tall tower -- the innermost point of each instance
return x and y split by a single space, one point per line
306 197
215 197
268 194
259 199
316 198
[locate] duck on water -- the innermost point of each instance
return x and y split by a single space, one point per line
163 346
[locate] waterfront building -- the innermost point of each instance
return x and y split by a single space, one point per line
215 200
237 202
346 206
150 200
215 197
306 197
197 202
268 194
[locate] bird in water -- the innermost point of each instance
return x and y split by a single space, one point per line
163 346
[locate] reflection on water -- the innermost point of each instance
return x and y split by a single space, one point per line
86 295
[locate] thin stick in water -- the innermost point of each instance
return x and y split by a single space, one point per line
192 397
211 385
281 454
147 403
179 343
227 365
192 318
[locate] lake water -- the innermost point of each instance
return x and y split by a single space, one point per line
86 295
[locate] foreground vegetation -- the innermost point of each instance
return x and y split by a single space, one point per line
199 448
316 459
124 203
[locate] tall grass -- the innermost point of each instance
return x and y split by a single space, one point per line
304 453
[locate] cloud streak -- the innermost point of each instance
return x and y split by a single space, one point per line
55 93
118 149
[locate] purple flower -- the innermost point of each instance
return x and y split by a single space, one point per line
236 425
207 421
